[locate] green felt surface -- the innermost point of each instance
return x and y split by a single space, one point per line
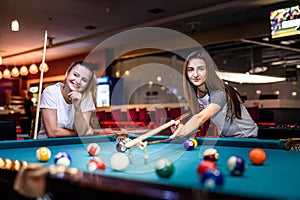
277 178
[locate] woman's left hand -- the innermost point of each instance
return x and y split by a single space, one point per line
75 97
188 128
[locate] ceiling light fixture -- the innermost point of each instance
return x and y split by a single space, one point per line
46 68
6 73
33 69
15 26
249 78
15 72
257 70
23 71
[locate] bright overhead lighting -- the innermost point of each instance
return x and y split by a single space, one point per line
15 25
23 71
6 73
257 70
15 72
33 69
249 78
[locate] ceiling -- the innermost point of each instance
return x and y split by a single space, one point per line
76 26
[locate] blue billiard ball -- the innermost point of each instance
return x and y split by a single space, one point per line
212 178
236 165
62 159
188 145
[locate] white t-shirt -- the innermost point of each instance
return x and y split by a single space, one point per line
52 98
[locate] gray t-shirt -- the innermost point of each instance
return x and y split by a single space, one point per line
244 127
52 98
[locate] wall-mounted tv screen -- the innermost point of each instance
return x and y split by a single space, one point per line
285 22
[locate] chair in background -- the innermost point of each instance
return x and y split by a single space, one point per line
145 118
8 130
132 115
174 112
161 116
15 116
254 113
117 118
132 118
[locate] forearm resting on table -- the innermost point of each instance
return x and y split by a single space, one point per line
51 127
60 132
81 123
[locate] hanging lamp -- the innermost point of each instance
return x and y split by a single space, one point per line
23 71
6 73
33 69
46 68
15 72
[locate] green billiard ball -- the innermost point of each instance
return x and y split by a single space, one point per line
164 168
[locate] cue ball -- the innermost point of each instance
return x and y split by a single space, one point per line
211 154
257 156
62 159
236 165
119 161
93 149
212 178
43 154
96 163
188 145
205 165
164 168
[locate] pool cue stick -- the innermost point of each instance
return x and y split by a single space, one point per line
155 131
40 87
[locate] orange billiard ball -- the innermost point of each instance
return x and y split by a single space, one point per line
257 156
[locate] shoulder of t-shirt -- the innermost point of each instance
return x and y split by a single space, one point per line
53 87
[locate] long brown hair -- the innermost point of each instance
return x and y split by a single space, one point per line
212 83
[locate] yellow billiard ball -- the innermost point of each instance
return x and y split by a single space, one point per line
43 154
195 142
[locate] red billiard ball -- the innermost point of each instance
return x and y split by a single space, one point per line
205 165
236 165
212 178
96 163
93 149
211 154
188 145
257 156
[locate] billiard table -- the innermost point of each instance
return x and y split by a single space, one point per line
277 178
